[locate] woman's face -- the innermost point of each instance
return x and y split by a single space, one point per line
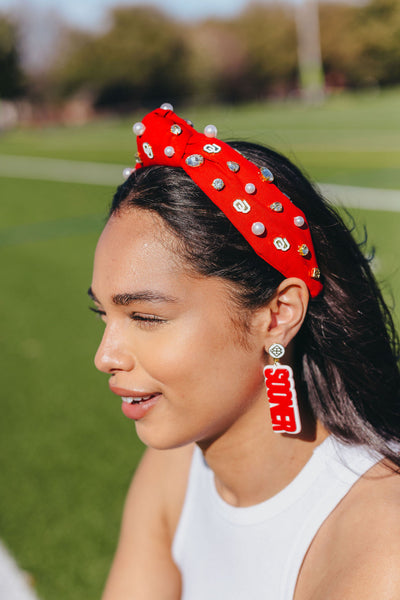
170 338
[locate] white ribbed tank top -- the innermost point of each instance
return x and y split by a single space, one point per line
252 553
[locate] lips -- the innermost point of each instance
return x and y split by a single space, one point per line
131 395
135 403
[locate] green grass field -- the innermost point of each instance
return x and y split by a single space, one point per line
66 452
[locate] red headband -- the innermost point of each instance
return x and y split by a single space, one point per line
267 219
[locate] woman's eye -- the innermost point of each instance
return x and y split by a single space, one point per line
146 320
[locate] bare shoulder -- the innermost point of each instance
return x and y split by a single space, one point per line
143 568
356 553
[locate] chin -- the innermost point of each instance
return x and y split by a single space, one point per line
161 440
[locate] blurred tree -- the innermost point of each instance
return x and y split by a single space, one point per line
140 59
245 58
11 75
145 57
361 44
379 24
268 34
340 45
218 62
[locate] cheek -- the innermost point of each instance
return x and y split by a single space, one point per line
200 356
175 353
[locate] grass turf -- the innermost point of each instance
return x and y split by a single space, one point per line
66 453
352 139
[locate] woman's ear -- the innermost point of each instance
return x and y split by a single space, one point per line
287 311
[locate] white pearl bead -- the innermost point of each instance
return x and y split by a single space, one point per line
127 172
169 151
139 128
258 228
167 106
210 131
250 188
299 221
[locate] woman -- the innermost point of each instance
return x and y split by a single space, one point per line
216 261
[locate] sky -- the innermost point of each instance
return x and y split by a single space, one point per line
40 21
92 13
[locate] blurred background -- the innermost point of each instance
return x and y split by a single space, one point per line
319 81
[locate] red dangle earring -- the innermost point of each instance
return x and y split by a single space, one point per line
281 393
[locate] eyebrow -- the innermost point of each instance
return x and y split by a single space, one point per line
140 296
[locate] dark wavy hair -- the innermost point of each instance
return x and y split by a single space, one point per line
346 351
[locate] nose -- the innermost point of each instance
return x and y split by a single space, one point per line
113 353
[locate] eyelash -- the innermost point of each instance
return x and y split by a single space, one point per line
149 319
99 313
145 320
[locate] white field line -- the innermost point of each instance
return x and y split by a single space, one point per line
13 584
55 169
359 197
70 171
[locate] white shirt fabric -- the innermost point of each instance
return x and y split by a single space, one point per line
235 553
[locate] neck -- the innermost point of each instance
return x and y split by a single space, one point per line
252 463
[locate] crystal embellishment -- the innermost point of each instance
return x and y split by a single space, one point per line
194 160
303 250
233 166
276 206
266 174
176 129
218 184
315 273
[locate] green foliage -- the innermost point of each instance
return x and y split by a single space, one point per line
217 62
140 59
339 46
361 44
268 34
145 57
11 75
250 56
380 33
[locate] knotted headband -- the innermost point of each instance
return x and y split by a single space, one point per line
273 226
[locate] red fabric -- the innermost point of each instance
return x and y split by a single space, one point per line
280 227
